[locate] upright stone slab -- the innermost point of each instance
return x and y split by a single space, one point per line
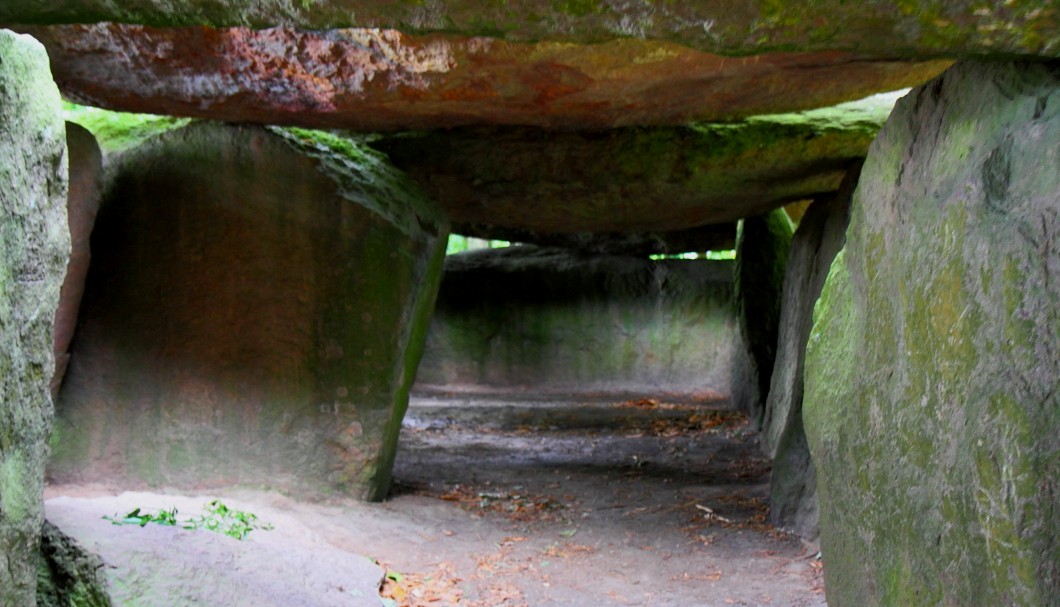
546 322
933 374
254 314
793 483
82 204
34 244
762 246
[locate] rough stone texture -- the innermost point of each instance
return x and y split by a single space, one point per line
635 179
762 246
541 322
254 313
933 375
68 576
793 485
905 27
383 80
34 245
82 203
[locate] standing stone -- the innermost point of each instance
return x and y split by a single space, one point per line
34 244
68 576
793 483
762 245
82 204
254 314
933 369
548 322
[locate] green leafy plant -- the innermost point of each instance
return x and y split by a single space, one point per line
218 518
167 518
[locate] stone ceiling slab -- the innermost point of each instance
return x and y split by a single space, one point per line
381 80
732 27
636 179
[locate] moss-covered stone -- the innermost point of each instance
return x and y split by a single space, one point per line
931 27
543 323
254 314
820 236
67 575
762 247
932 379
492 181
117 131
34 245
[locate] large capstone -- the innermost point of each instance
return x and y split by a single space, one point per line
793 485
933 374
540 323
762 246
373 80
254 313
491 181
34 245
737 27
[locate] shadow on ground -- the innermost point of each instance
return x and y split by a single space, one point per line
494 505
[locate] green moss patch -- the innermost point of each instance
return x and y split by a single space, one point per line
117 131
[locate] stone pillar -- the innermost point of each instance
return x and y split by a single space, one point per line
254 314
933 368
82 204
762 245
793 484
34 245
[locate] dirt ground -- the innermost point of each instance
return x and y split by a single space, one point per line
494 505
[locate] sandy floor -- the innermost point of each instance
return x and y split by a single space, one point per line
493 505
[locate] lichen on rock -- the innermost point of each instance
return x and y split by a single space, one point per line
68 576
34 245
117 131
793 485
635 179
932 394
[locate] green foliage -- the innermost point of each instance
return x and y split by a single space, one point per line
218 518
710 255
459 244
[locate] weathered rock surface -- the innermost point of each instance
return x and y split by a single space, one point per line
793 485
932 375
68 575
254 313
383 80
491 181
34 245
86 185
929 27
541 323
762 247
